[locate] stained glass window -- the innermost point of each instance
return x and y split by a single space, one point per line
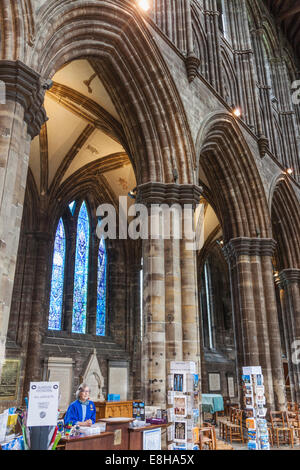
101 290
81 272
57 280
72 206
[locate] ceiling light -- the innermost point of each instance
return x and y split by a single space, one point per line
144 4
237 111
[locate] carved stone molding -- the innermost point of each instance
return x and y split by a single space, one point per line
169 193
26 87
289 276
192 63
263 145
249 247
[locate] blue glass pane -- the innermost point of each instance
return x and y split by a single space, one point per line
101 290
81 272
72 207
57 280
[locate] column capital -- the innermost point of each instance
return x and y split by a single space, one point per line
289 276
169 193
25 86
249 247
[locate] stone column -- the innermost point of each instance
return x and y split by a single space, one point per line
290 301
211 18
39 309
20 120
171 325
267 125
287 117
189 294
134 325
255 312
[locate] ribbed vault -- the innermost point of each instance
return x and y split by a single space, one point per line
123 54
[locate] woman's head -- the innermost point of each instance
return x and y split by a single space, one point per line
83 392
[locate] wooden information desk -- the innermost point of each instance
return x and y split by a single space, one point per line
113 409
118 436
120 428
103 441
136 435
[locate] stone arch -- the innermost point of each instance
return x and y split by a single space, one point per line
285 212
133 72
17 28
233 177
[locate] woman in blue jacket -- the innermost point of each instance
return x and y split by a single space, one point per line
82 411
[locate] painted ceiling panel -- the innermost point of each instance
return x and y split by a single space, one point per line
63 129
210 221
98 145
121 180
75 74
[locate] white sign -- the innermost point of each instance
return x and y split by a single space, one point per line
256 370
152 439
43 404
3 425
185 366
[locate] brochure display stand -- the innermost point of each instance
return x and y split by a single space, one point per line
183 406
254 401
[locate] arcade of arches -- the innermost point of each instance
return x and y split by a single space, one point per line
105 101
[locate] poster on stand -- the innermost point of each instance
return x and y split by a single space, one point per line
180 406
43 404
180 431
179 382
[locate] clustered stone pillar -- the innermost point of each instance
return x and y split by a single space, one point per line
290 301
154 347
171 323
33 369
255 313
20 120
211 19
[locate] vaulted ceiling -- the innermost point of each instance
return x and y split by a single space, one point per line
287 16
84 135
83 129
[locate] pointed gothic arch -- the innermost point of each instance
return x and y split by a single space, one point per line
141 87
285 211
234 180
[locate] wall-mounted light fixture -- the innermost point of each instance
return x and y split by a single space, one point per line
144 4
132 193
237 111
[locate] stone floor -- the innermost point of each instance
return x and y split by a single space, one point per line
238 446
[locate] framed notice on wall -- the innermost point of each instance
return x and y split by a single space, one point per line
230 385
214 382
9 379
